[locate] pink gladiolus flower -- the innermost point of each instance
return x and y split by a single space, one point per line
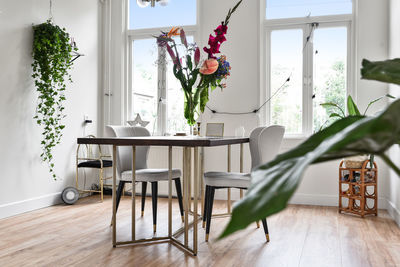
183 38
197 56
221 29
215 42
171 53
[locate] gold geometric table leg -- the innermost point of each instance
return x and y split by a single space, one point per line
114 198
201 180
170 191
186 193
171 236
241 167
196 195
133 192
229 170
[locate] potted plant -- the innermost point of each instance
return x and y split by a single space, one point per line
52 62
337 112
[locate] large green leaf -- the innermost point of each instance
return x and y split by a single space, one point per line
384 71
275 182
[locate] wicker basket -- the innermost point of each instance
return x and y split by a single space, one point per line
355 162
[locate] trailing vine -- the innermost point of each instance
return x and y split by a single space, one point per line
52 61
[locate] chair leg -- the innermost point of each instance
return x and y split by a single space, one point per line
121 186
154 195
119 192
205 205
101 185
179 195
209 210
144 189
264 222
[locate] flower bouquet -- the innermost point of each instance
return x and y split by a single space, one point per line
189 68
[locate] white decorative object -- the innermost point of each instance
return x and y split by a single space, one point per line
138 121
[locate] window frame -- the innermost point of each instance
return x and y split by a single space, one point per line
269 25
147 33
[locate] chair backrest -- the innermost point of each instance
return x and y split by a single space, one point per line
265 143
124 154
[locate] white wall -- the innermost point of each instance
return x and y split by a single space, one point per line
394 52
25 181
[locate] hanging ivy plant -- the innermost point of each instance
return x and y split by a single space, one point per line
52 61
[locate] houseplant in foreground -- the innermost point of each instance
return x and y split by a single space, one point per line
273 183
189 68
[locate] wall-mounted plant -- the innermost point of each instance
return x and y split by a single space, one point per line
52 61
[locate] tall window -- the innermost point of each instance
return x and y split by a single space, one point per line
154 92
310 42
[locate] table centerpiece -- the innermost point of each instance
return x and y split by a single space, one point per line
198 76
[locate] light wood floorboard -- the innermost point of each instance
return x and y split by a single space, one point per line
80 235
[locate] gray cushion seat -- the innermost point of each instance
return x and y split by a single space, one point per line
150 175
230 179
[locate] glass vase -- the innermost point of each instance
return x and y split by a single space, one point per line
190 110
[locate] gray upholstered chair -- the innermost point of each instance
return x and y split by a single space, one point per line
143 174
264 146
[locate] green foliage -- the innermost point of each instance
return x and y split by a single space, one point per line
273 183
352 107
332 91
384 71
187 77
51 64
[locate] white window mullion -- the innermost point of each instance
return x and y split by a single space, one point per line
130 79
267 75
308 80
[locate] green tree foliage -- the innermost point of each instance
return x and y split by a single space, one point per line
333 91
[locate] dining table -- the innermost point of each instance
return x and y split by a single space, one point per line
192 173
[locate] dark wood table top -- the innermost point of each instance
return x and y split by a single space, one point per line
188 141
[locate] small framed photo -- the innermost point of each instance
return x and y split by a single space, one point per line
215 129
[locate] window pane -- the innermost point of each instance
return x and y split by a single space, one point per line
176 121
286 59
330 68
278 9
145 54
176 13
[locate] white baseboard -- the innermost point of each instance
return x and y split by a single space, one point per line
15 208
394 212
304 199
325 200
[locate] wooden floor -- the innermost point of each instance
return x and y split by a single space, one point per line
80 235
